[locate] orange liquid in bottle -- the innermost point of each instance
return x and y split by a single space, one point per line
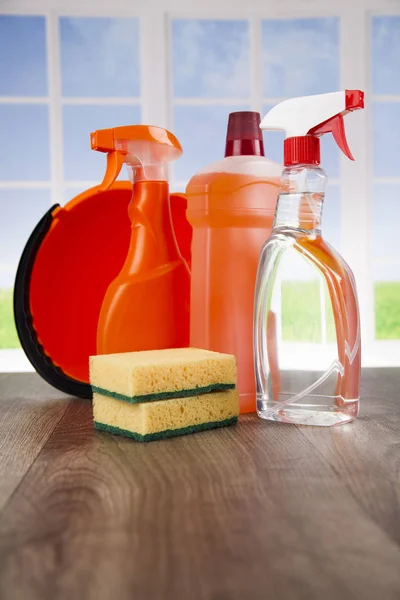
231 214
343 295
342 291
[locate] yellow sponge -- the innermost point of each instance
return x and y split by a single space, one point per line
161 419
161 374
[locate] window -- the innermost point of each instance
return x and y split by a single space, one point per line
211 69
210 78
385 66
47 109
72 73
301 57
100 87
24 151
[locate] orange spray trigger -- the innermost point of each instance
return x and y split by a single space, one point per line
144 146
115 160
103 140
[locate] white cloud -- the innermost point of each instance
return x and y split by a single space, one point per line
300 57
385 54
100 52
211 58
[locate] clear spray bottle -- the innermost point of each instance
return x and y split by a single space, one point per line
306 322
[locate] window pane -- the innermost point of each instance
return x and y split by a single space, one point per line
386 139
273 143
24 151
80 162
99 57
20 211
330 153
385 55
202 133
331 216
72 192
23 70
386 263
300 56
210 58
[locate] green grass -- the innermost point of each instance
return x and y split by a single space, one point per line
387 311
300 313
8 333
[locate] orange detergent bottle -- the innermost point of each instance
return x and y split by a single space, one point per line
147 306
231 206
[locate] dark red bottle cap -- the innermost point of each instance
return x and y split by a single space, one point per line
244 136
302 150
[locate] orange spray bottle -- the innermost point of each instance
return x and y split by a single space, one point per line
147 306
231 206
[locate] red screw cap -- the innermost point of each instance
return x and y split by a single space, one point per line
302 150
244 136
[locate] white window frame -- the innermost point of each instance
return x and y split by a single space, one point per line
157 104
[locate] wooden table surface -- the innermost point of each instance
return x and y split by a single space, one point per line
257 511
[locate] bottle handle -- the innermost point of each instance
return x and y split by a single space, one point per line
272 352
182 228
265 326
344 303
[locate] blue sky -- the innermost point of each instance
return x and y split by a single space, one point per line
25 149
300 56
80 162
20 210
386 139
202 132
99 57
210 59
385 231
23 73
385 55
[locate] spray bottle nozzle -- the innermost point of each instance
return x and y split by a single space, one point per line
145 148
354 99
305 119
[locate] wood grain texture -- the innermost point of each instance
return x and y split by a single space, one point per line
28 415
256 511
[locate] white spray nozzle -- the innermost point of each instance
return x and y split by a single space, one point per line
313 116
